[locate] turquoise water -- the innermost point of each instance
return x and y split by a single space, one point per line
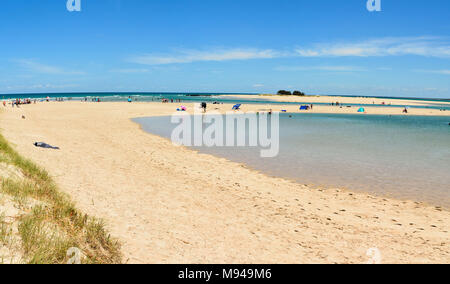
406 157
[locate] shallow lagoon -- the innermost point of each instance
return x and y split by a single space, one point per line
405 157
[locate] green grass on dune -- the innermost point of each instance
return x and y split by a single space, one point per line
51 224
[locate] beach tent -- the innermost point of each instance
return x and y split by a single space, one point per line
236 107
361 109
304 108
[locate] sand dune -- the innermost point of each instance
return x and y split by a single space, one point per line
169 204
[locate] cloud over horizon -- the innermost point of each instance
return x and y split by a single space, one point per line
190 56
389 46
322 68
37 67
129 71
441 72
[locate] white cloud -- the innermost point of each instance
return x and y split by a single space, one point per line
321 68
37 67
441 72
40 87
129 71
389 46
258 85
189 56
420 46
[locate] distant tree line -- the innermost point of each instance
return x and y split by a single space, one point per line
289 93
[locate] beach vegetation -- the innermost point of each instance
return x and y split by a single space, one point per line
289 93
47 223
284 93
298 93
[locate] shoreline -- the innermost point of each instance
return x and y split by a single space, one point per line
282 220
309 184
342 99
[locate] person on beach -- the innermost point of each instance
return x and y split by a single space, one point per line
204 105
45 145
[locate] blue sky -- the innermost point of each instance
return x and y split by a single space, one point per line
332 47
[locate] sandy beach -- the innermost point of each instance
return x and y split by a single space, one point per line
169 204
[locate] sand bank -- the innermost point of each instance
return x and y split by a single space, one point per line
343 100
170 204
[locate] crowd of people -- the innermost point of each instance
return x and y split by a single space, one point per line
26 101
166 101
18 102
96 99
